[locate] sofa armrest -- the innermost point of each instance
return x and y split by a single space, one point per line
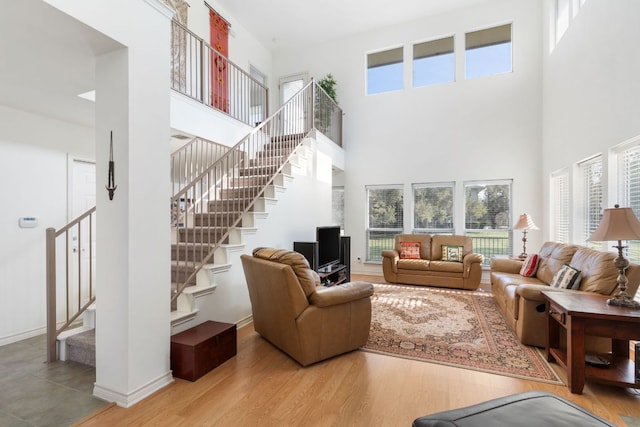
533 292
469 260
390 253
472 258
340 294
506 265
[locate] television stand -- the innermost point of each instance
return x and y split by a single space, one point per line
333 274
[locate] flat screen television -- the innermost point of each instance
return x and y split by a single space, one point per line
328 239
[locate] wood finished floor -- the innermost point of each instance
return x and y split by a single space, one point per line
262 386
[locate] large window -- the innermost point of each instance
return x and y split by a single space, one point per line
384 218
488 217
592 202
385 71
433 208
488 52
629 190
433 62
560 206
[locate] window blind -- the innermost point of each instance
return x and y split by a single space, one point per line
560 207
592 196
488 37
433 48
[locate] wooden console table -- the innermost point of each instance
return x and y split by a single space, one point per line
581 314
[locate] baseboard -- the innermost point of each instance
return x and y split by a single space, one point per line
127 400
244 322
10 339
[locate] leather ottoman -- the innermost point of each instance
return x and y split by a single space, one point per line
532 408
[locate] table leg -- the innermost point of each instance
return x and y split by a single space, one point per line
553 334
620 347
575 354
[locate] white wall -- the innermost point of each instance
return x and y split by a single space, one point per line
591 87
487 128
33 166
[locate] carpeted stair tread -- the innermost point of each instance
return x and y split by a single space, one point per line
81 347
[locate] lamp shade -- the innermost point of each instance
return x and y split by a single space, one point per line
617 224
525 223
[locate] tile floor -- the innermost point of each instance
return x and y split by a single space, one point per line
35 393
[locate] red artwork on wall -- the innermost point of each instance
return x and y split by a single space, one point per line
219 62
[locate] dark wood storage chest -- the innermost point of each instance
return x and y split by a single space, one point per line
198 350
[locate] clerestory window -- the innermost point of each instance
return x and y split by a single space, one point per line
385 71
488 52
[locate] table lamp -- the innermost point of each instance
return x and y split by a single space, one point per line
525 223
619 224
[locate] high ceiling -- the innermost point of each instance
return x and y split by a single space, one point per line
47 58
281 24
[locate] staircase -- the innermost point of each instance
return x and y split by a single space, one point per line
218 226
214 204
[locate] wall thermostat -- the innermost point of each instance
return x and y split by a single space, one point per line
28 222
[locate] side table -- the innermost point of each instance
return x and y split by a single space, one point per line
581 314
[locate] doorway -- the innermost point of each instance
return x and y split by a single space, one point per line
82 253
293 121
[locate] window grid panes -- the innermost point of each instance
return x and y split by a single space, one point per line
488 52
385 213
433 62
433 208
591 173
488 217
560 207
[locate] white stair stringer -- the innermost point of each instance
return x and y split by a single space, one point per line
229 275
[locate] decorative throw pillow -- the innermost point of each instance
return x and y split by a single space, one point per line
409 250
452 253
530 265
566 278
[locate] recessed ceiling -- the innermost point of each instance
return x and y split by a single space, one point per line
281 24
47 59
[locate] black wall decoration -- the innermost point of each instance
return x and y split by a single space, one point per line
111 187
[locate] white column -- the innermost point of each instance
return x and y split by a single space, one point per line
133 229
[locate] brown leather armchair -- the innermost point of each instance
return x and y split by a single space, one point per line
295 313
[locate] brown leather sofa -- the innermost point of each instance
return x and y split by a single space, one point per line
430 269
292 311
520 297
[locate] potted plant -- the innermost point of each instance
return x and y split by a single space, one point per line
324 108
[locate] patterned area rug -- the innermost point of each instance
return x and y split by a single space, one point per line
451 327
